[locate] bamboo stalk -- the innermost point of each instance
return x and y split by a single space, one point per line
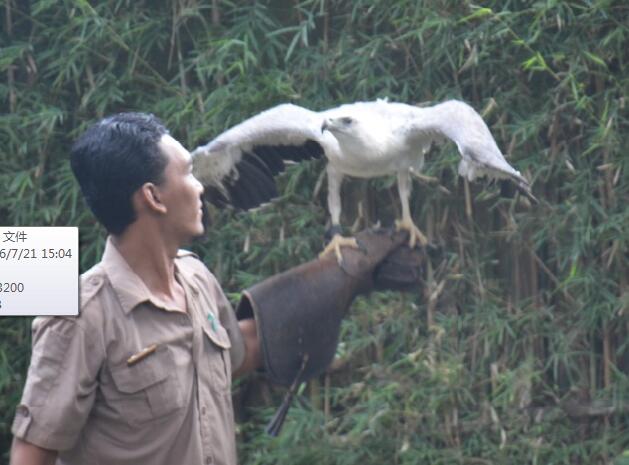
593 383
608 176
315 393
468 200
553 278
173 34
379 349
517 283
326 398
534 274
10 69
606 356
182 69
216 14
326 26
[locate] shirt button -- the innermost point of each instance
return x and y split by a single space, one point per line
208 460
203 411
23 410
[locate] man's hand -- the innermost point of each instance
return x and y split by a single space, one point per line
25 453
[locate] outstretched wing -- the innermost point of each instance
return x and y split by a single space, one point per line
237 168
460 123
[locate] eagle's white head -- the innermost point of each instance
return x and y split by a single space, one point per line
355 132
342 125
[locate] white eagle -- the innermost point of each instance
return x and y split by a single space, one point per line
363 139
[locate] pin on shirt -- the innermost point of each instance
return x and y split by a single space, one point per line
212 319
135 358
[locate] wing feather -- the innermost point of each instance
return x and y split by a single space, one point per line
460 123
251 188
271 157
262 166
238 166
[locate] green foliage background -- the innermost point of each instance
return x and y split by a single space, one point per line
515 351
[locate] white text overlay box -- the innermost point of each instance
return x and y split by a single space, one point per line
39 270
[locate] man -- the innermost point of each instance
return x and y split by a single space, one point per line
142 375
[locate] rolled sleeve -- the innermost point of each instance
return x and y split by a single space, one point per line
61 384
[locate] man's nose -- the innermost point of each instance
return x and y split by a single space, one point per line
200 187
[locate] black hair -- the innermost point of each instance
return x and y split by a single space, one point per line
114 158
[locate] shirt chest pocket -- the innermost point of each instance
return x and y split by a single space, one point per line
147 390
218 364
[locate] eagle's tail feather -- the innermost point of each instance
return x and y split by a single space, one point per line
524 188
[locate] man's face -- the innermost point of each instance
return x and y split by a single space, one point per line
180 192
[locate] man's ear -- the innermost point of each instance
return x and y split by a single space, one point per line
150 198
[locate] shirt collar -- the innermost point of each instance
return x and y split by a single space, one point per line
128 286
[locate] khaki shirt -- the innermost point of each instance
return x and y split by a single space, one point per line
85 399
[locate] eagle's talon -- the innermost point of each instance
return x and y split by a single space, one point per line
335 245
415 235
332 232
361 247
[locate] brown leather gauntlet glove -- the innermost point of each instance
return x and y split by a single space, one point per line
298 313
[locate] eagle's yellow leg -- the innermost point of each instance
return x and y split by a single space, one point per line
406 223
335 245
415 235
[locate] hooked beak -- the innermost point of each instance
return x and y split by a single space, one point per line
324 126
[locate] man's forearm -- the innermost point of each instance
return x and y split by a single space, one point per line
253 355
25 453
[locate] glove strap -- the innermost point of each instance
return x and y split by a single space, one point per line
275 425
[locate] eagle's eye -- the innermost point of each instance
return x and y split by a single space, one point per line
347 120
